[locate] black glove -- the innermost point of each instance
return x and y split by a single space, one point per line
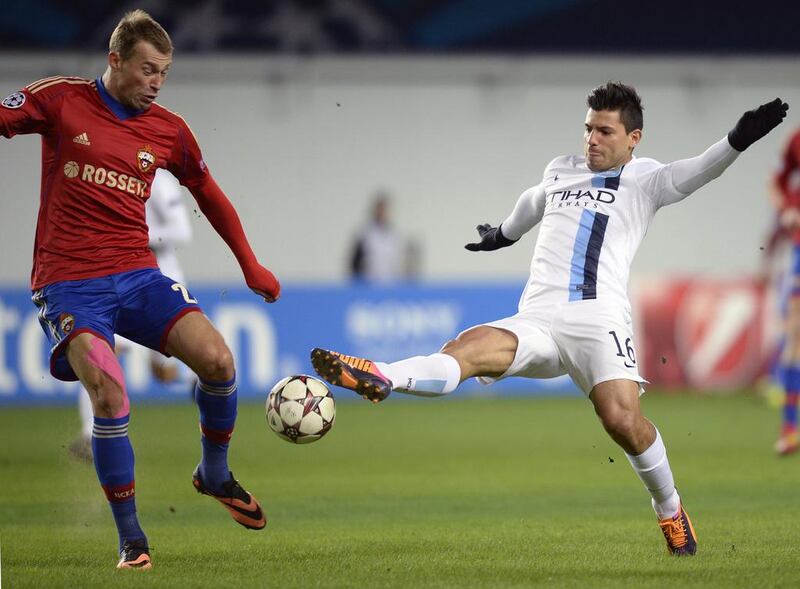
754 124
491 239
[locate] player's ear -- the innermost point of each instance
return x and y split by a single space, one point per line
114 61
634 137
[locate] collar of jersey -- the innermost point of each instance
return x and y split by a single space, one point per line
121 111
611 173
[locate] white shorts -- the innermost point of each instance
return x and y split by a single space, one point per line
590 340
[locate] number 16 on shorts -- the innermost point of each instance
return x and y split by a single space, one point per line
624 349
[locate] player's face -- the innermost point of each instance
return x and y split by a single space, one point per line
138 79
606 144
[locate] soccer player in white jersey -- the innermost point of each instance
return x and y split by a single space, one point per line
574 314
168 227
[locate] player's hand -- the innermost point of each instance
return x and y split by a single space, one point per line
263 282
492 238
754 124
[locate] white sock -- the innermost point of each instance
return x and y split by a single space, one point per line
653 469
87 415
425 376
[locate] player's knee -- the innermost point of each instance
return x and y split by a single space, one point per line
217 363
467 343
618 421
109 405
108 397
450 346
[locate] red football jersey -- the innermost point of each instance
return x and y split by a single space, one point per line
788 177
98 161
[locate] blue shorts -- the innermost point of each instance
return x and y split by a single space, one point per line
141 305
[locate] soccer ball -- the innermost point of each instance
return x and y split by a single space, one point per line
300 409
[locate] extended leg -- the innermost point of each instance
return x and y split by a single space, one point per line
480 351
616 403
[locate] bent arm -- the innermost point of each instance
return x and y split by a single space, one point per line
526 214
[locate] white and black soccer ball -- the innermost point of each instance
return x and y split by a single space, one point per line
300 409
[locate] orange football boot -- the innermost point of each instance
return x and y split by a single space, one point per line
357 374
135 555
242 506
679 533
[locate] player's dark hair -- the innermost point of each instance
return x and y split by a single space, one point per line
137 26
616 96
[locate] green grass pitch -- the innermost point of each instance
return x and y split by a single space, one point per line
473 492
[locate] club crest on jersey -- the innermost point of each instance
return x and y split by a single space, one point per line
66 322
14 100
146 158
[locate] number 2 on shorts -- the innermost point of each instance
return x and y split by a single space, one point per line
179 287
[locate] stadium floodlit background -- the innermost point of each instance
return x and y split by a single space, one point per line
304 109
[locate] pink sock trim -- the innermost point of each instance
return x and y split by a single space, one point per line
103 358
380 372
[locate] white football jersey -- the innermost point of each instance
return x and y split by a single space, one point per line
593 223
167 222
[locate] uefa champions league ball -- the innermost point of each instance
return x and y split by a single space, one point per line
300 409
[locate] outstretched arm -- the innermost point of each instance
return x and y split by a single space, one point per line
690 174
526 214
674 182
222 216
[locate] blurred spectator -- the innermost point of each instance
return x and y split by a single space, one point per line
786 196
380 255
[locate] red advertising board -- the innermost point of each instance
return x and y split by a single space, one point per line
705 334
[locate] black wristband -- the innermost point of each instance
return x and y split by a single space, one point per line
736 142
502 240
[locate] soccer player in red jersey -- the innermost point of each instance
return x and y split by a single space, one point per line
787 189
94 275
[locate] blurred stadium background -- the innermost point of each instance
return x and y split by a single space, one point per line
304 109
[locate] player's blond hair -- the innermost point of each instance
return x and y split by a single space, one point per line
137 26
